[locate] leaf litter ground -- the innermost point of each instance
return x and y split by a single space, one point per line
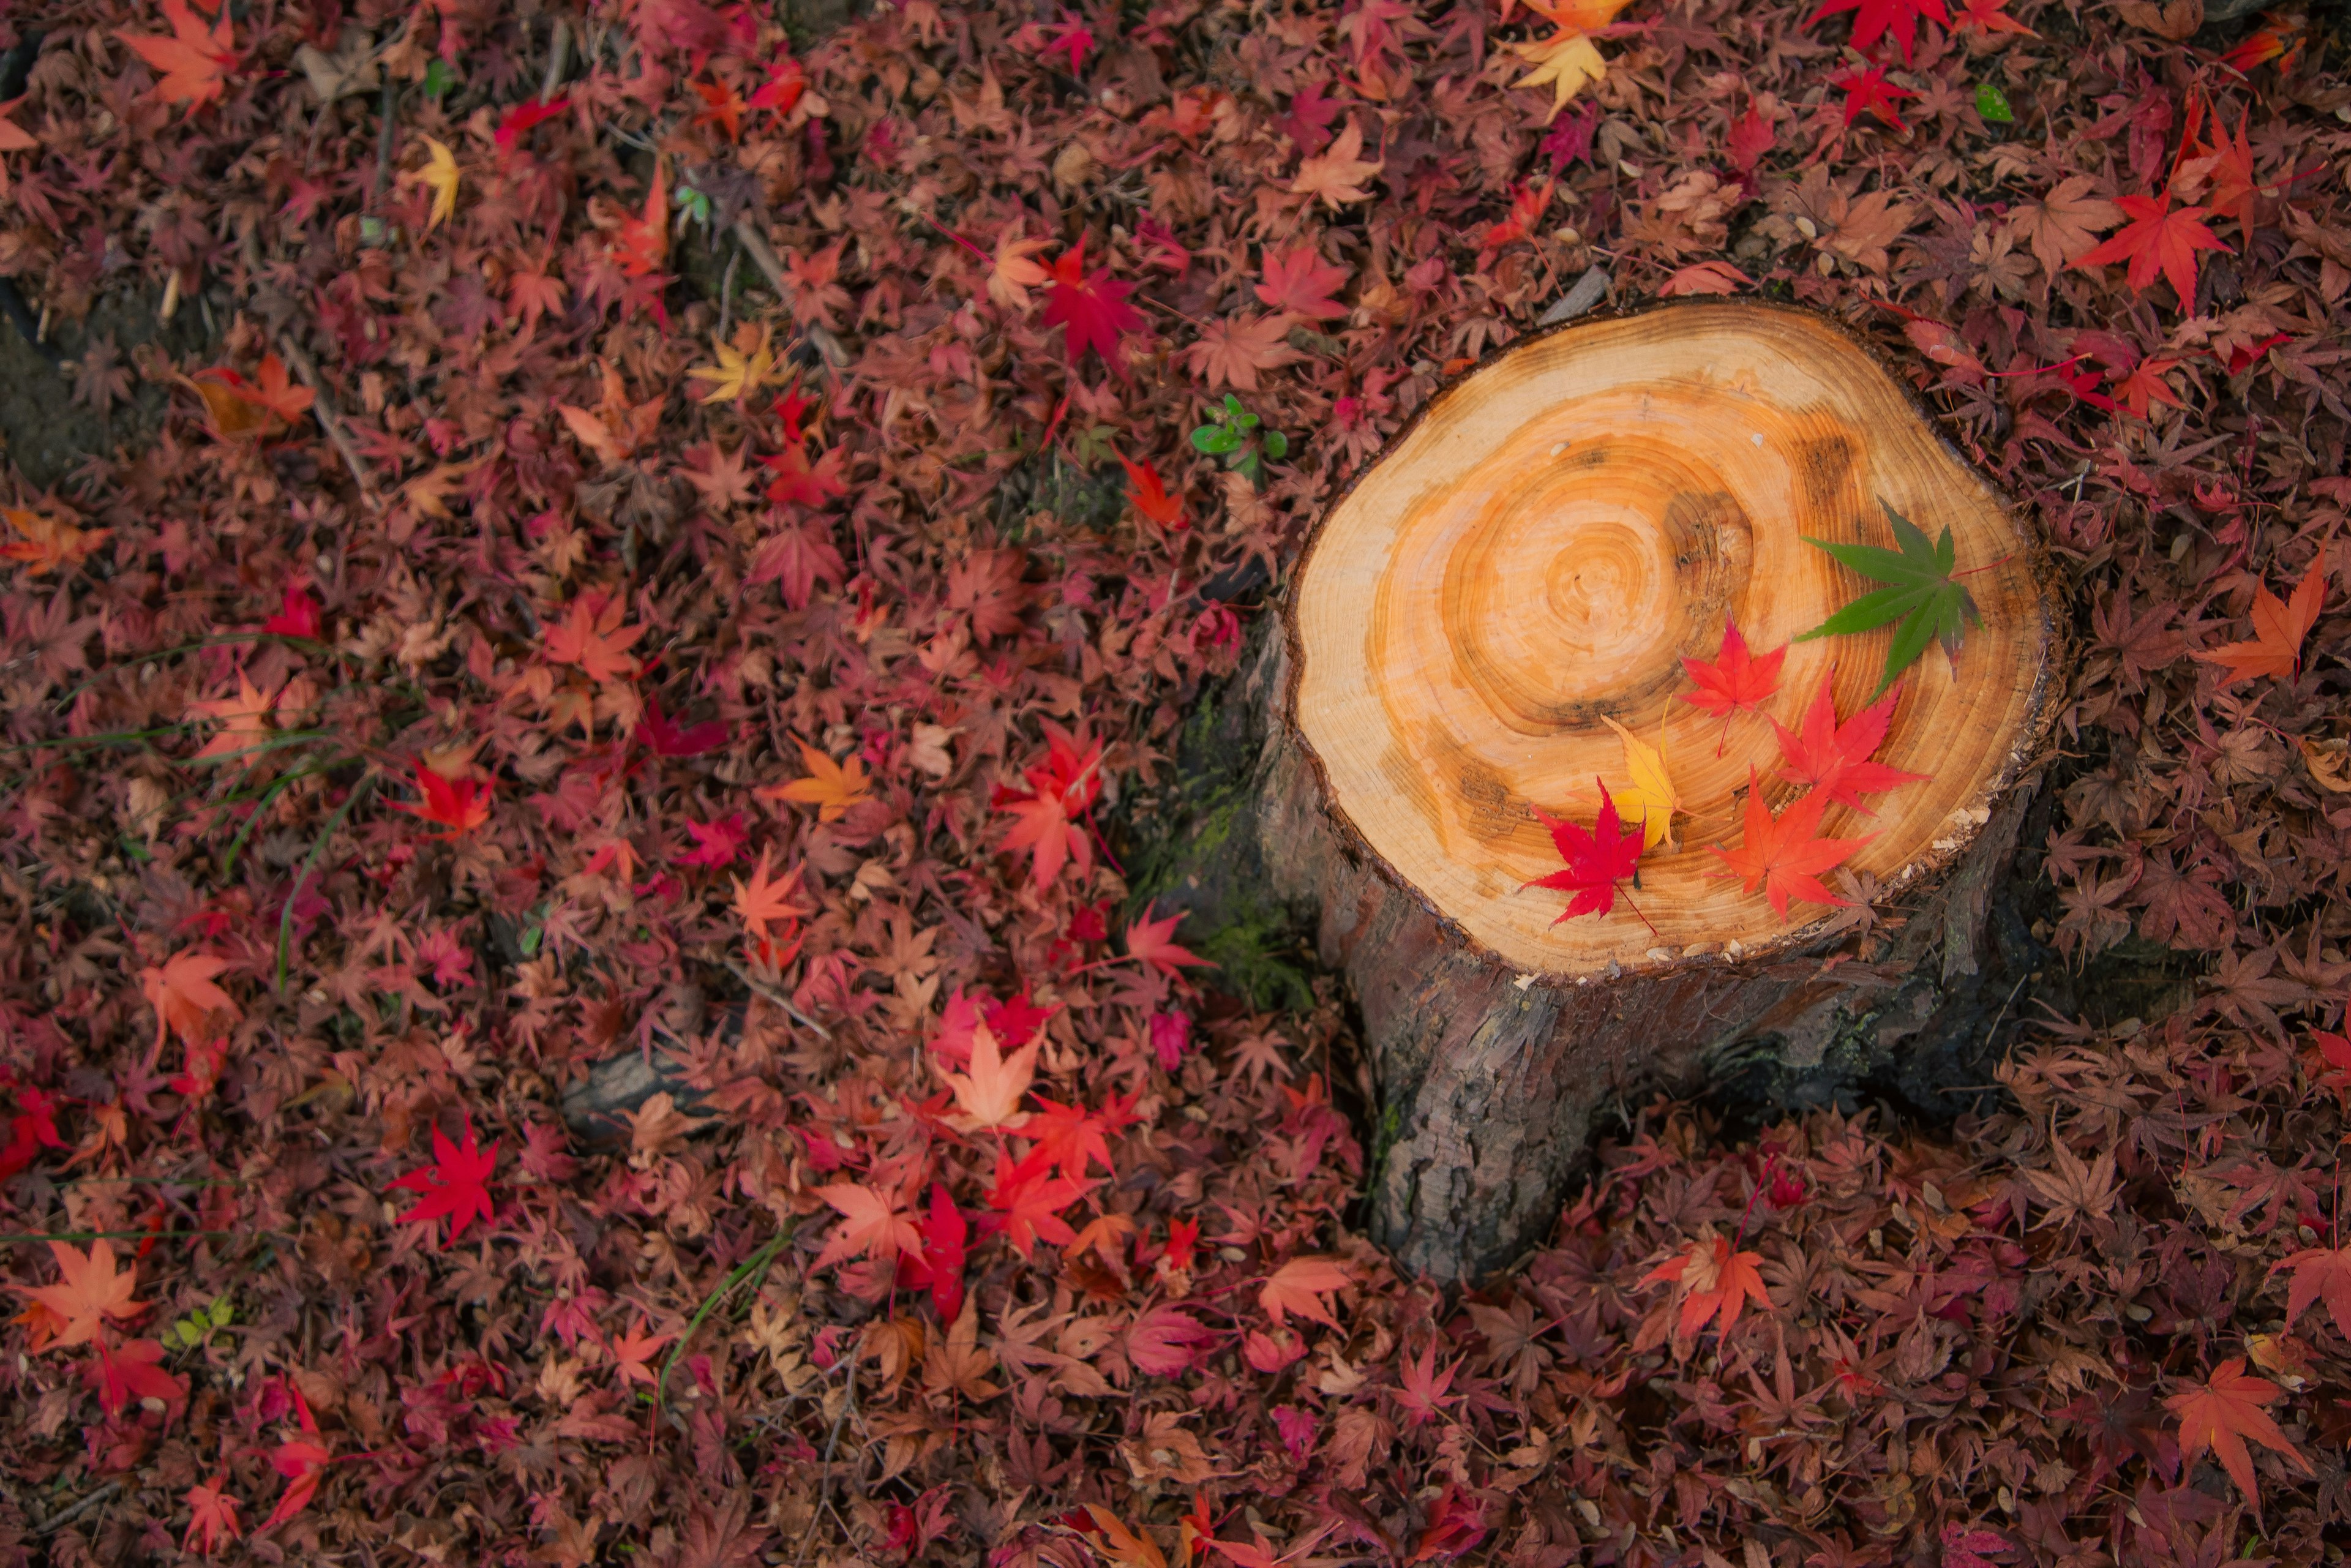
572 610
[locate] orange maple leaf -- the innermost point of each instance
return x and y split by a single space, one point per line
2221 1413
2319 1272
640 244
1150 497
1152 942
632 1349
185 1001
240 408
833 787
47 543
86 1292
2278 630
1299 1285
1716 1284
760 900
1782 854
193 62
2161 242
244 721
990 1093
591 635
872 1226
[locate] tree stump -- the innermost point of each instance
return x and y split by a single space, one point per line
1531 559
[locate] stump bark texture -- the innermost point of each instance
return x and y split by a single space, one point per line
1532 559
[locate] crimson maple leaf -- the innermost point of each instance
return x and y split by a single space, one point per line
130 1372
1062 790
212 1516
665 737
2220 1414
298 615
1876 19
1092 306
1151 497
192 61
519 121
1835 759
1030 1202
1598 858
1716 1284
1736 682
1070 1136
1782 855
796 481
1070 37
1148 940
456 1186
1868 92
2278 630
1300 281
937 1265
459 805
303 1461
2158 242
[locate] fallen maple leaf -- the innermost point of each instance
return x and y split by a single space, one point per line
1148 940
1300 281
1016 271
194 61
244 717
591 637
456 1186
1148 493
88 1291
631 1351
1876 19
737 375
640 243
1124 1547
1567 60
1868 92
937 1264
1735 682
1092 305
14 138
212 1516
239 408
303 1462
458 805
1232 349
1716 1284
525 117
47 543
1029 1204
1781 856
1335 178
1836 759
1705 277
2320 1273
2158 242
2220 1414
664 737
1598 858
2279 628
438 174
1651 794
761 901
990 1093
185 999
833 787
1299 1285
127 1374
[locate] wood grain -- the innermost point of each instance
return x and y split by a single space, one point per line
1540 550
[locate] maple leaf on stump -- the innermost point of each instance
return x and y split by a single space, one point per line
2221 1413
1092 305
2158 241
1597 858
1785 855
455 1187
1736 681
1835 759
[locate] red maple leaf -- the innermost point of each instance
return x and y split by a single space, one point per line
1598 858
938 1267
303 1462
1529 202
212 1515
2320 1273
2278 630
1716 1285
2146 385
1030 1202
1782 855
1061 790
1300 281
1736 682
1070 1136
795 480
783 89
1149 940
456 1184
459 805
2158 242
2219 1414
298 615
665 737
122 1376
193 60
1835 759
1092 306
1876 19
1149 494
1072 38
1868 92
518 122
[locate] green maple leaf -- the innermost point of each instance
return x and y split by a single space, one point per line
1920 598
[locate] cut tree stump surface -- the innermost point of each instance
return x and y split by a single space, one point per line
1540 550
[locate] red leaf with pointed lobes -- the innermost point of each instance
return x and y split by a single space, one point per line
2221 1413
1072 38
2279 628
665 737
1150 495
458 805
1598 858
1836 759
1300 281
2158 242
212 1516
1876 19
135 1371
1030 1202
1092 306
523 118
456 1186
937 1267
298 615
1782 855
1149 940
1736 682
1868 92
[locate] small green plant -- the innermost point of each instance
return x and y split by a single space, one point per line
196 1329
1992 104
439 78
1235 437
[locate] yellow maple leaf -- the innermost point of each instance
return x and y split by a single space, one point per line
833 787
440 174
1651 797
1567 60
736 375
991 1092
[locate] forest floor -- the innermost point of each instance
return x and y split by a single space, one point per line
535 536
